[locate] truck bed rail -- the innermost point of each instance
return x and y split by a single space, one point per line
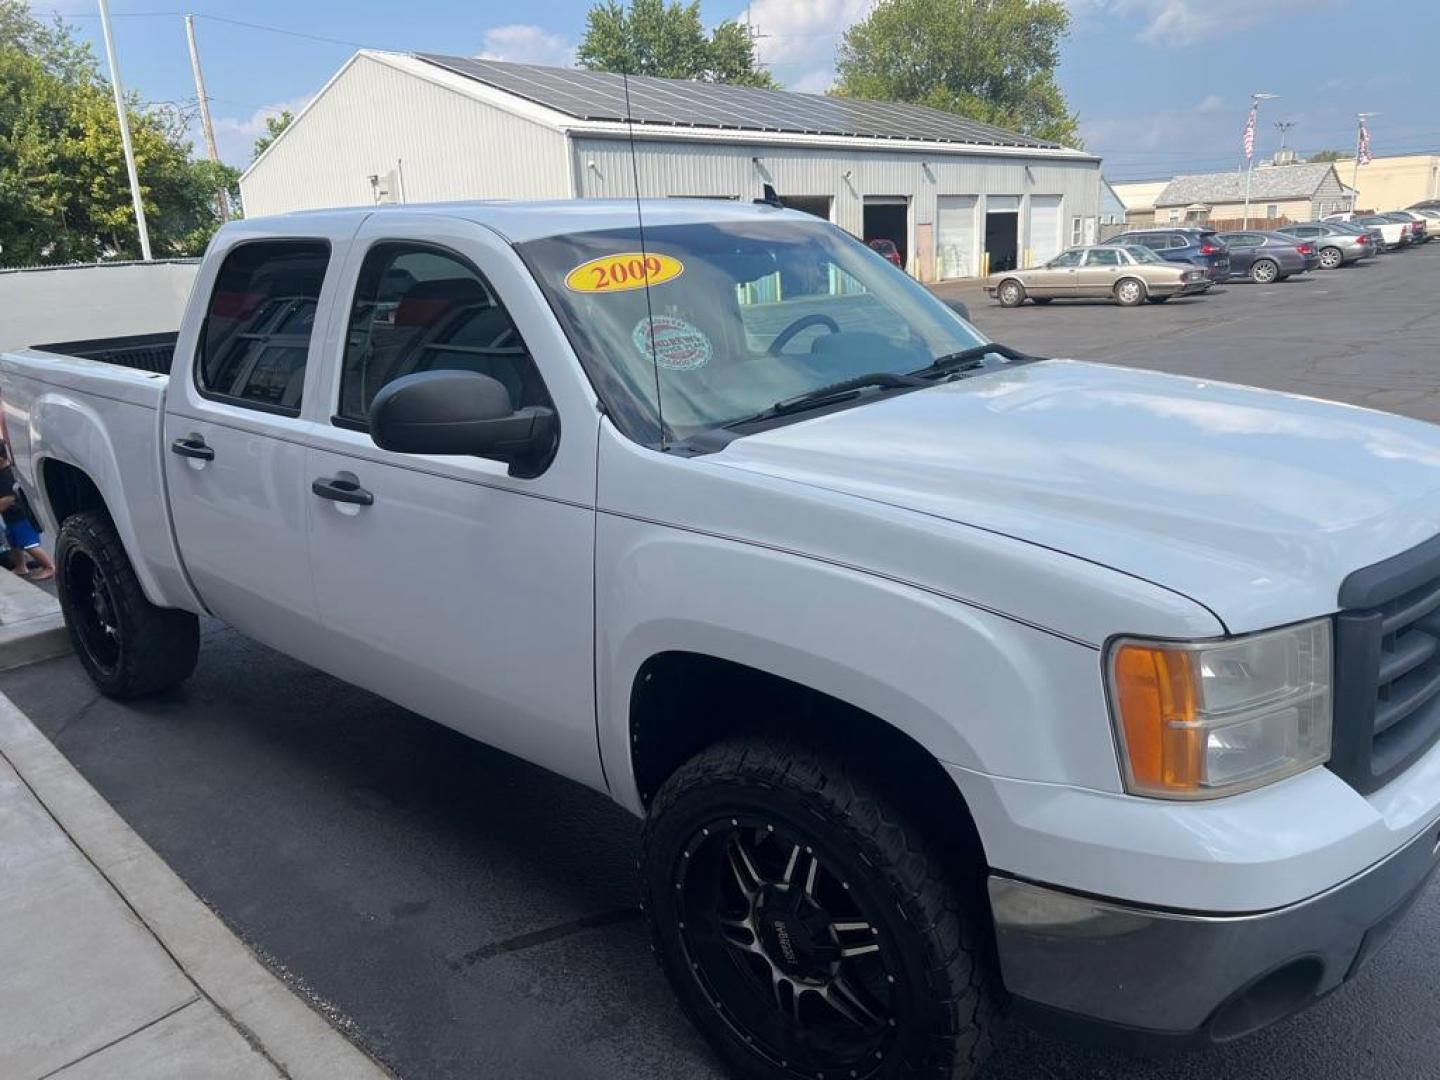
143 352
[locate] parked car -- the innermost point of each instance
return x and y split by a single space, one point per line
1264 257
888 250
1198 247
1130 275
1425 204
1396 234
1419 231
1336 243
1432 218
942 676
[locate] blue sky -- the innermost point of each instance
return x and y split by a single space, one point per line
1161 86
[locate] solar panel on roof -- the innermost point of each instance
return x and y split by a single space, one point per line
600 96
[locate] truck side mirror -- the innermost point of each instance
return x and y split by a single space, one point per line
462 412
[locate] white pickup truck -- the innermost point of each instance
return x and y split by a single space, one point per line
946 679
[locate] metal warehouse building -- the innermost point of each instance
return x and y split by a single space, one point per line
953 194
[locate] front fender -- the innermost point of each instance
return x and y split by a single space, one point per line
974 688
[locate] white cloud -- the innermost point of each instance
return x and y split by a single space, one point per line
235 135
1211 103
1184 22
527 44
796 39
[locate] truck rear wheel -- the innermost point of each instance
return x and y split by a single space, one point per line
807 929
129 646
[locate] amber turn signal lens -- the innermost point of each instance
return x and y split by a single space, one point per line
1155 699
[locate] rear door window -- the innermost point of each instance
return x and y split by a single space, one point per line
259 322
1102 257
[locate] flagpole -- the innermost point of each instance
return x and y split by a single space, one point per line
125 143
1255 100
1355 169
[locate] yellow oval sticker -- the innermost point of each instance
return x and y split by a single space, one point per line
619 273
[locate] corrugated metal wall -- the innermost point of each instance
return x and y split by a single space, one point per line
730 171
373 117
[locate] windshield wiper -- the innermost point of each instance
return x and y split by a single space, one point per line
827 395
969 359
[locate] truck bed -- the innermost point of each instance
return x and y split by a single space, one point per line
143 352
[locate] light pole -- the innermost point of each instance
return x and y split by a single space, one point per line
1255 100
125 132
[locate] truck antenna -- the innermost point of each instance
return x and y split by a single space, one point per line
644 258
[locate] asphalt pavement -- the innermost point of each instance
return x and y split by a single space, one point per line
465 914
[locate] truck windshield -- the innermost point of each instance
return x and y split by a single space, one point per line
740 315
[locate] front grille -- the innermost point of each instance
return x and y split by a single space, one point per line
1387 667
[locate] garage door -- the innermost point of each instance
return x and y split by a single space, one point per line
1044 237
955 237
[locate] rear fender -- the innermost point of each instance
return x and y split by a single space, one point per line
114 444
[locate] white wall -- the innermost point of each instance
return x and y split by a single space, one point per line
106 300
603 170
373 115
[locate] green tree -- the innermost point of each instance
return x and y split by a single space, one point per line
64 191
1330 155
668 40
991 60
274 125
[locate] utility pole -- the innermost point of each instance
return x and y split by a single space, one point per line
1255 100
221 206
125 131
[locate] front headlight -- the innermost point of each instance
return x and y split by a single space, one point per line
1205 719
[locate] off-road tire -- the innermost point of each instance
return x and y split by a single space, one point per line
155 648
933 915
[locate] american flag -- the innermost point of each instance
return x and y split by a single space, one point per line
1250 135
1364 158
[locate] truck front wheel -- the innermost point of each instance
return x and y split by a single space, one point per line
807 929
129 647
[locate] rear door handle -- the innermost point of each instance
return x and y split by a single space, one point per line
343 490
192 446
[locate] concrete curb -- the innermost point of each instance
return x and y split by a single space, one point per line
299 1042
31 626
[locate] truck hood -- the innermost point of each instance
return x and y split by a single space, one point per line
1253 503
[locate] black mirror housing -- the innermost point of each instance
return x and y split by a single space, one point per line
462 412
959 307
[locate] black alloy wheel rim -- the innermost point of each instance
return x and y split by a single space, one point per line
783 950
92 607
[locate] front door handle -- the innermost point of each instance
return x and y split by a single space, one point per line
192 446
342 490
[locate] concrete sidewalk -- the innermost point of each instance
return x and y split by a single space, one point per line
109 966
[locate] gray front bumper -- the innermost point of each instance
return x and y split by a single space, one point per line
1195 975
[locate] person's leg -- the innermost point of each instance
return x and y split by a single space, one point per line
47 567
23 536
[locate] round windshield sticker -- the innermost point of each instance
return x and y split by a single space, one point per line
623 272
678 345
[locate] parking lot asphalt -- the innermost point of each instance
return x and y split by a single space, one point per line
1367 334
464 914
